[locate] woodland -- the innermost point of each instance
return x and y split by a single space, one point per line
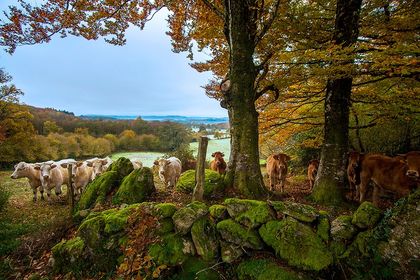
313 79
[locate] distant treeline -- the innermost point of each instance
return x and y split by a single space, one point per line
34 134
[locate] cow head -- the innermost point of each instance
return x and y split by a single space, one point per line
283 158
20 170
163 165
218 157
98 166
412 160
354 159
45 169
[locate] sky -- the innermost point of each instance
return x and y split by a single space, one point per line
144 77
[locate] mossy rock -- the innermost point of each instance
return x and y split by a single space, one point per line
79 216
91 231
204 236
360 245
213 182
323 227
342 228
297 244
165 225
230 252
234 232
338 248
263 269
301 212
186 216
165 210
69 255
196 269
366 216
135 187
250 213
218 212
171 250
97 190
115 221
122 166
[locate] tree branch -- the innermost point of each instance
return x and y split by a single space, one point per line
268 23
214 9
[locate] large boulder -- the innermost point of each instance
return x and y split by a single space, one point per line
186 216
366 216
301 212
96 191
263 269
205 238
235 233
213 182
122 166
297 243
135 187
250 213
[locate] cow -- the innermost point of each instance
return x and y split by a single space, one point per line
53 176
312 170
99 165
387 173
277 170
28 170
169 170
353 172
412 159
218 164
81 174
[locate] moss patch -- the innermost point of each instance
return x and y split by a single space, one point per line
218 212
342 228
165 210
263 269
296 243
196 269
250 213
366 216
323 227
97 190
213 182
233 232
204 236
301 212
122 166
172 250
68 255
326 192
136 187
186 216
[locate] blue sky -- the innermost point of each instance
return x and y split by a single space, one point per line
144 77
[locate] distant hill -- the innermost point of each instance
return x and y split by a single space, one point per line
171 118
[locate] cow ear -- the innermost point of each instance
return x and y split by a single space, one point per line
64 165
276 157
79 163
104 161
156 162
37 167
53 166
89 163
223 154
213 154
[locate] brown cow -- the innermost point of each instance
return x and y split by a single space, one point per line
387 173
189 164
277 170
218 164
312 170
353 172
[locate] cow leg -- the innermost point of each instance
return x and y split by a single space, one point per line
362 189
34 191
49 194
375 195
58 189
41 190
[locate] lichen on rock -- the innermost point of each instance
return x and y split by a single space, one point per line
186 216
342 228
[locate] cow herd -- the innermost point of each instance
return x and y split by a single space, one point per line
399 174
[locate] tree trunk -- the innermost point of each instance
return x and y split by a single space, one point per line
244 172
200 171
330 181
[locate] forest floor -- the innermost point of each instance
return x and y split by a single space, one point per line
28 230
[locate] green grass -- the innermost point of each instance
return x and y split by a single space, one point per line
222 145
21 216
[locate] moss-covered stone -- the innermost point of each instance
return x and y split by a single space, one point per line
135 187
230 252
186 216
250 213
263 269
213 182
342 228
301 212
234 232
165 210
91 231
80 215
204 236
164 226
122 166
69 255
338 248
366 216
196 269
171 250
359 247
218 212
323 227
296 243
116 220
97 190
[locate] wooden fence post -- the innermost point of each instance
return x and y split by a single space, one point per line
70 186
200 172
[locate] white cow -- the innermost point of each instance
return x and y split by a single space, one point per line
169 170
81 175
53 176
27 170
99 165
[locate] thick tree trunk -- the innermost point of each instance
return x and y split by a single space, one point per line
330 181
244 172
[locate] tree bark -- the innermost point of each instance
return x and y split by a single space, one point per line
330 181
244 172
